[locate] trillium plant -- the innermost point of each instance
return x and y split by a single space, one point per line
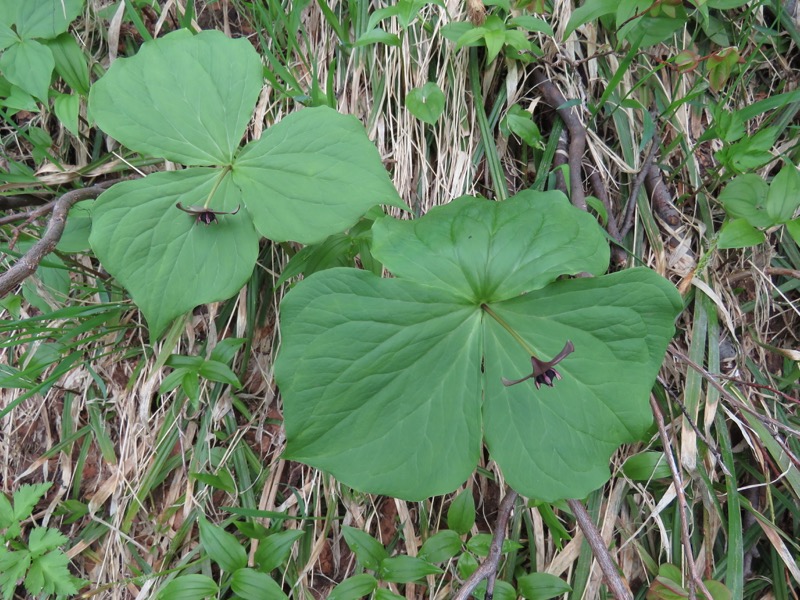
394 384
482 336
189 98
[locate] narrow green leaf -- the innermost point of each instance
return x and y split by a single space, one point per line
542 586
29 65
783 197
368 550
67 109
793 227
377 36
405 569
217 371
589 11
275 549
226 349
738 233
646 466
252 585
354 587
223 548
189 587
531 23
461 512
441 546
70 63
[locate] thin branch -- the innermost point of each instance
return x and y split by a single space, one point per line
616 584
28 263
488 568
28 215
618 254
20 201
627 220
661 196
577 134
695 581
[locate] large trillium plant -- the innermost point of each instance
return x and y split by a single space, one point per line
188 98
393 385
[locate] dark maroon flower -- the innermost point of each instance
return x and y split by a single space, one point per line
544 373
205 215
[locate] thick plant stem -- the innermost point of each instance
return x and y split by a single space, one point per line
614 580
488 568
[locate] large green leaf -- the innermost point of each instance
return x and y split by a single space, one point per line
184 97
312 174
168 261
388 383
29 66
44 18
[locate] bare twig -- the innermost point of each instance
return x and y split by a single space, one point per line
27 264
695 581
627 220
488 569
577 134
618 586
19 201
28 215
618 254
661 196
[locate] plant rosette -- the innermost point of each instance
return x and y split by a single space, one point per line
189 98
393 385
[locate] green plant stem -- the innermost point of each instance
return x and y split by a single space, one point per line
509 329
498 177
217 183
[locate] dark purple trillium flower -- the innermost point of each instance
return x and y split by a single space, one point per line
544 373
205 215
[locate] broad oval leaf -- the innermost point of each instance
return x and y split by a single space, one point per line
169 261
542 586
189 587
485 251
383 379
405 569
29 65
223 547
746 197
253 585
555 443
184 97
783 197
372 372
44 18
426 102
312 174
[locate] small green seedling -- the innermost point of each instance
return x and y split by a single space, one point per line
36 560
